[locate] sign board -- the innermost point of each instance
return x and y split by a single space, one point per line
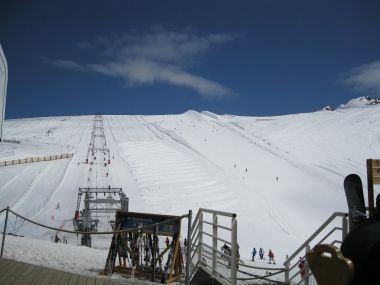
376 171
133 220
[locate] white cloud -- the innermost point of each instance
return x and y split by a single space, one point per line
365 77
155 56
68 64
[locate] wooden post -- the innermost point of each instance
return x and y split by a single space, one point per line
373 178
174 258
188 248
370 187
155 238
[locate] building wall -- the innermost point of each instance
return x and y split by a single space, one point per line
3 88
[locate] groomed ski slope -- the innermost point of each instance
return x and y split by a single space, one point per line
172 163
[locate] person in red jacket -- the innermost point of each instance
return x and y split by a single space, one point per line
271 257
301 266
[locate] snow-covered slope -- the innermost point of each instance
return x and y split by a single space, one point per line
281 175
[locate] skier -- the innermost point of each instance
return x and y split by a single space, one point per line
246 170
58 206
271 257
57 239
253 254
261 253
167 241
185 243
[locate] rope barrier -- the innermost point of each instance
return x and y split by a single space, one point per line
94 233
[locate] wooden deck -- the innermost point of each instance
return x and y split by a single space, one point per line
19 273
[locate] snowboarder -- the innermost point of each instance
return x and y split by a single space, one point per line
271 257
167 241
254 254
57 239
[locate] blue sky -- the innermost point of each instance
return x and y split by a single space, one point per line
165 57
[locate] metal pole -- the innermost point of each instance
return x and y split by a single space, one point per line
200 238
4 232
234 261
214 242
287 271
155 237
188 249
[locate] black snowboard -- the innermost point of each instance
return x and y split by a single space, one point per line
353 188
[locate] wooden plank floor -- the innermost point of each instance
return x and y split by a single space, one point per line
19 273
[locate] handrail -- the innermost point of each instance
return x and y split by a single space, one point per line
262 268
219 226
316 233
207 255
328 234
196 221
219 213
312 240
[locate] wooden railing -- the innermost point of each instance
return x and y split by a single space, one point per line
35 159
